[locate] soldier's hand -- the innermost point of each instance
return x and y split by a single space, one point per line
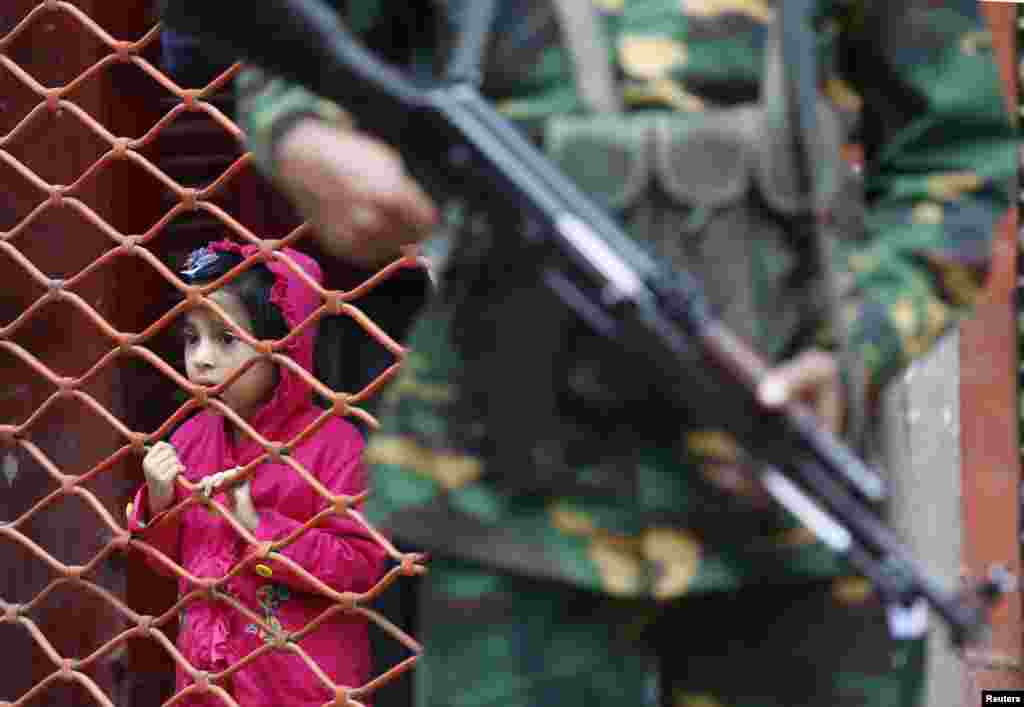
160 466
813 377
355 191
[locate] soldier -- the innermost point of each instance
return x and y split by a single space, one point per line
585 549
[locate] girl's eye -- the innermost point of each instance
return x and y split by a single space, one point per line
227 338
190 338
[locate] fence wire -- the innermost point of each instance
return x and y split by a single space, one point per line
124 344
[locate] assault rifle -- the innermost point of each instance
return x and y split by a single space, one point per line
456 144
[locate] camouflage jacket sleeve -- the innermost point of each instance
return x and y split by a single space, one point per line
940 159
269 105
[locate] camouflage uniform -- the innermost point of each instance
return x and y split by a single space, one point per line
658 569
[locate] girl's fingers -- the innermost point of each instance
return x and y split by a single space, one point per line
162 450
215 482
243 493
208 484
167 468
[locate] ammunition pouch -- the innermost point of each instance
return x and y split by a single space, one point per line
708 192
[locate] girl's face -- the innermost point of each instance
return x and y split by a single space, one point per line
213 352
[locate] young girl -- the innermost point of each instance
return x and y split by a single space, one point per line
267 301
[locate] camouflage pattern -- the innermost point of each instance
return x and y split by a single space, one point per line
269 105
670 516
502 639
940 150
939 154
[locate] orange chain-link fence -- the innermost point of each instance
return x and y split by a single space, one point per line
98 191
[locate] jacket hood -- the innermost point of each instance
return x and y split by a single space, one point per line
297 299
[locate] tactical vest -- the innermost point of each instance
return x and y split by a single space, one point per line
714 192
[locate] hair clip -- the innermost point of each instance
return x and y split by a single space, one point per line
197 261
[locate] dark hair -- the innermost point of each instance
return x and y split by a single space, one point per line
252 287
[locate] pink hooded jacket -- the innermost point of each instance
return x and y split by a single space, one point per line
339 552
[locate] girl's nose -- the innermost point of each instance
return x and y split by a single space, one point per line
203 355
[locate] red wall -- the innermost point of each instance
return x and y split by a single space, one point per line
988 405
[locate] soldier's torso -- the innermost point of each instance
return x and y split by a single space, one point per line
677 65
545 472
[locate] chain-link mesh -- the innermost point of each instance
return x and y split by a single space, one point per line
20 242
